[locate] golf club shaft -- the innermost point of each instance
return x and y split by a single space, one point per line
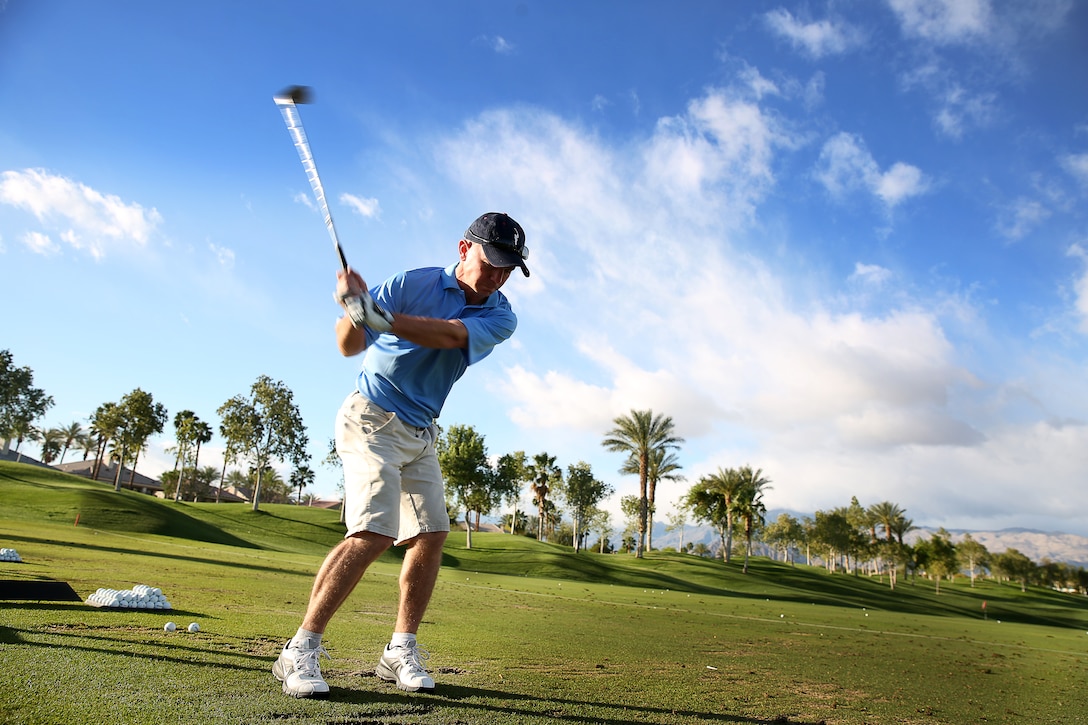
360 308
298 135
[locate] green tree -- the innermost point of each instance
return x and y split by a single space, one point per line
640 435
832 532
24 430
20 402
677 520
184 432
301 477
712 499
270 428
72 435
87 443
544 478
1014 566
462 456
749 506
202 433
972 556
600 523
106 422
142 418
583 492
240 428
940 556
631 509
510 476
707 503
518 521
273 488
785 533
52 440
663 466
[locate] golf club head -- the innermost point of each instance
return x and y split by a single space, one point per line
294 94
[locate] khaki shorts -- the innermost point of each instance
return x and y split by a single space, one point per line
392 480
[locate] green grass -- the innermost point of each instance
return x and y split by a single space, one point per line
522 631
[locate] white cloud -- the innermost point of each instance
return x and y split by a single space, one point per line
369 208
846 166
496 43
1021 217
1077 166
870 274
944 21
817 39
84 217
900 182
306 200
759 85
224 255
639 256
959 110
40 243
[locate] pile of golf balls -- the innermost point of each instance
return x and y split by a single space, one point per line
9 555
140 596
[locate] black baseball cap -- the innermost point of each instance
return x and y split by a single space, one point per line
501 238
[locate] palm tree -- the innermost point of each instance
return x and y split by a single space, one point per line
202 433
24 430
727 484
544 476
73 434
87 443
106 423
640 434
886 513
663 467
301 477
183 427
52 440
749 506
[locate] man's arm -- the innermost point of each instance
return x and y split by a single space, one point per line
430 332
350 339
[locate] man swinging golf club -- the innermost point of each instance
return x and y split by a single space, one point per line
443 321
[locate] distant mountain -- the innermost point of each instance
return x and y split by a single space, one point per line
1036 545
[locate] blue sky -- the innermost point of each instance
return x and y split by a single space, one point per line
843 242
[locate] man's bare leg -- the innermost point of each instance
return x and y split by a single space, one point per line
400 661
418 575
339 573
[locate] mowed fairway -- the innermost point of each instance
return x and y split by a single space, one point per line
520 631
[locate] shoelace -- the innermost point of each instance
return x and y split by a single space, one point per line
413 658
308 661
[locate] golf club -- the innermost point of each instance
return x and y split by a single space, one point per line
361 309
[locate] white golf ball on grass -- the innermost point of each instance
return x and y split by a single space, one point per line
170 626
194 627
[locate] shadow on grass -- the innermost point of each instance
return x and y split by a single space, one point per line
477 702
246 566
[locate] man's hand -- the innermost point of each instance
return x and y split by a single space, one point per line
352 295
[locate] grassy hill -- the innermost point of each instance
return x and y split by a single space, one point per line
31 493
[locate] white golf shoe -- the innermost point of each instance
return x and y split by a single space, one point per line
300 672
404 666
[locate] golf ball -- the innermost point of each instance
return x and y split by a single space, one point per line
170 626
194 627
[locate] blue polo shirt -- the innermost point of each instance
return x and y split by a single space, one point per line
413 381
